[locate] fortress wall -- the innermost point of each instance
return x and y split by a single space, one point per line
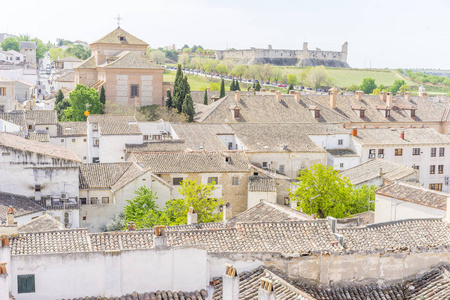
331 55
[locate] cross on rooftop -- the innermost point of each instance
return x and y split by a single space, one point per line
118 18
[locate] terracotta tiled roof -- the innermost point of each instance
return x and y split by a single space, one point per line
72 129
194 162
157 146
414 194
18 143
28 45
22 205
261 184
342 153
130 60
42 117
42 223
413 136
370 170
121 240
102 175
166 295
203 136
39 137
115 124
69 59
89 63
16 117
69 77
398 236
113 38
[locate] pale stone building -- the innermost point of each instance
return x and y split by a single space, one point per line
28 49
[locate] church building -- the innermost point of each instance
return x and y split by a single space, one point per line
119 64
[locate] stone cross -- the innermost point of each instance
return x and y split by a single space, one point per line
118 18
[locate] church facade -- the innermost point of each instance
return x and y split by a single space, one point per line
118 63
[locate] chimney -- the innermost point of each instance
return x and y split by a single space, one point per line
230 283
272 90
407 96
262 90
402 135
159 237
389 99
425 95
251 90
291 92
354 132
131 226
237 95
227 212
192 216
293 204
333 95
383 96
10 216
297 96
266 291
380 172
278 95
4 286
208 89
399 93
333 223
359 95
314 216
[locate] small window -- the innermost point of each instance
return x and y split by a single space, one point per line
264 164
46 128
122 39
317 114
84 157
433 152
6 154
94 200
84 218
95 142
340 142
380 151
441 152
416 151
213 179
134 91
62 140
361 113
372 153
30 126
398 152
436 186
96 160
177 180
341 165
432 169
235 180
415 167
105 200
413 113
145 137
388 113
25 284
83 201
230 146
156 137
441 169
37 188
84 140
281 168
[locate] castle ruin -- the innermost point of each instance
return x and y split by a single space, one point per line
301 58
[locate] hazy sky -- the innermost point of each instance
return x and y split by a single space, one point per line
381 33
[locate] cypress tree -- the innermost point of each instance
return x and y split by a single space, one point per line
257 87
236 86
102 95
205 98
222 89
188 108
169 102
291 87
178 94
59 97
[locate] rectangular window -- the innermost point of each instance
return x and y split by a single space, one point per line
2 108
235 180
441 169
83 201
340 142
441 152
134 90
95 142
317 114
264 164
157 137
361 113
37 188
145 137
230 146
6 154
341 165
94 200
416 151
2 91
105 200
380 153
30 127
398 152
177 180
388 113
432 169
433 152
96 160
436 187
25 284
213 179
281 168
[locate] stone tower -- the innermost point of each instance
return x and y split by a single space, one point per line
344 52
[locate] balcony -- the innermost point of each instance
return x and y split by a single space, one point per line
54 203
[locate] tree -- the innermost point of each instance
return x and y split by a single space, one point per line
56 53
59 97
117 223
169 102
82 98
396 86
277 74
239 71
222 89
205 97
156 112
292 79
142 209
60 109
404 88
353 88
78 51
214 86
236 86
11 43
158 56
188 108
317 76
263 72
290 88
183 60
102 95
376 91
178 90
257 87
232 88
368 85
222 69
322 190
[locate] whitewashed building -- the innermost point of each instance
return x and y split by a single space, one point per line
72 135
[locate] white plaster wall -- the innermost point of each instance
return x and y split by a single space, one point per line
51 129
29 76
348 162
27 218
6 126
79 147
64 84
112 147
154 128
254 198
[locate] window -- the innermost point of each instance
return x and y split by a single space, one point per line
94 200
73 140
122 39
84 218
46 128
317 114
340 142
398 152
2 108
281 168
145 137
264 164
433 152
415 167
235 180
84 140
361 113
372 153
95 142
105 200
83 201
432 169
380 153
96 160
157 137
230 146
2 91
37 188
215 179
134 91
177 180
84 157
441 152
341 165
30 127
62 140
25 284
94 126
6 154
436 186
416 151
388 113
441 169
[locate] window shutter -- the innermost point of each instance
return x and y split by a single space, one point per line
25 284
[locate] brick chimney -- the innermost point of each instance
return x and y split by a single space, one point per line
333 95
359 95
131 226
278 95
383 96
192 216
266 291
208 89
251 90
10 216
354 132
227 211
399 93
230 283
291 92
402 135
389 99
297 96
272 90
407 96
262 90
159 237
237 95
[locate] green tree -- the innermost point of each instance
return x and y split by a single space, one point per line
290 88
257 86
142 209
82 98
178 90
11 43
102 95
368 85
353 88
239 70
169 102
214 86
321 190
188 108
60 109
221 69
292 79
59 97
236 86
116 223
317 77
396 86
78 51
404 88
376 91
222 89
232 88
205 97
183 60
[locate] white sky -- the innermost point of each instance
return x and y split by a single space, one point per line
380 33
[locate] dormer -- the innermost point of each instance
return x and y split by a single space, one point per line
315 112
359 110
235 111
122 39
409 109
384 110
